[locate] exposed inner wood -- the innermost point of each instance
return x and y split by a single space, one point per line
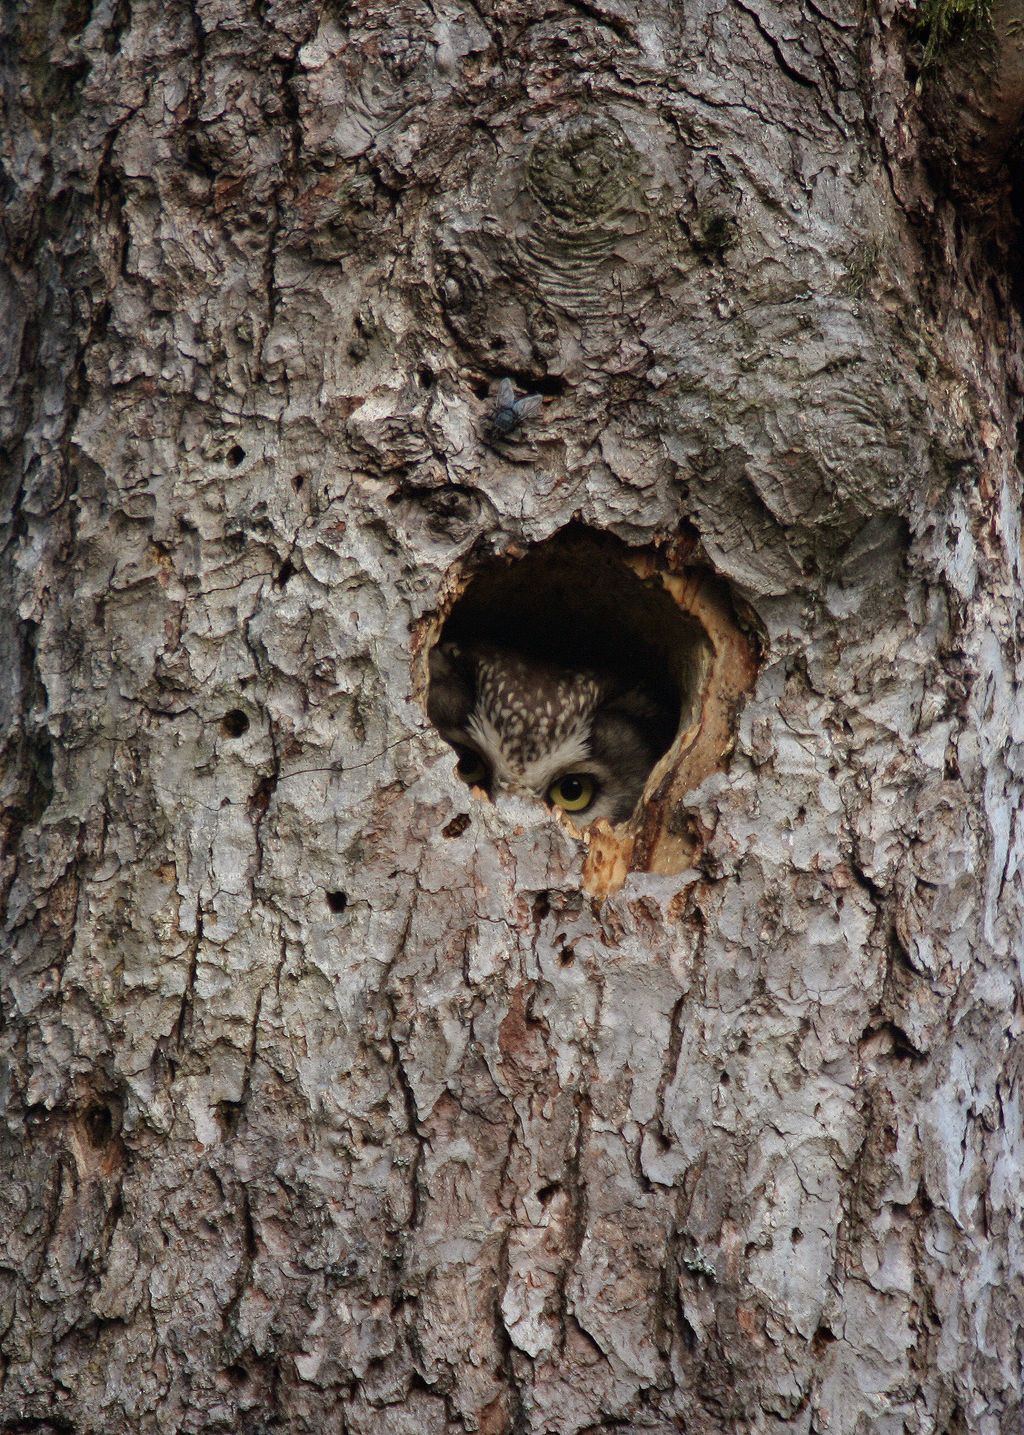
663 837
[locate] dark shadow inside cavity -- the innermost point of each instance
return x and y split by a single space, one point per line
234 723
574 602
549 385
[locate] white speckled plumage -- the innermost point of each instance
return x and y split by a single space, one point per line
532 723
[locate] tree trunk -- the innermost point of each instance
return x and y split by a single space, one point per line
336 1098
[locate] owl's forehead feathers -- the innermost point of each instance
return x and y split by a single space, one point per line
532 708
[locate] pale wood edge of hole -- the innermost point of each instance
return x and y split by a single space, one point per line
426 631
661 842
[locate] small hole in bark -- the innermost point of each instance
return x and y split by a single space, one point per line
237 1374
285 573
725 1078
234 723
297 482
337 902
822 1337
715 234
546 1192
99 1125
796 1235
550 385
541 906
230 1115
567 956
457 826
425 377
524 382
236 455
687 1331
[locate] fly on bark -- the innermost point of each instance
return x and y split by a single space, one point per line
509 413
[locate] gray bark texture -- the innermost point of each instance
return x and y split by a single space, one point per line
335 1098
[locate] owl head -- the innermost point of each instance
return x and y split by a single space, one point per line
579 739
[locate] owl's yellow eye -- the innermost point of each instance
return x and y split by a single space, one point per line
573 793
472 768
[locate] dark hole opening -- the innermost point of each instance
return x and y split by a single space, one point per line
822 1337
235 455
234 723
337 902
99 1125
566 651
550 385
230 1114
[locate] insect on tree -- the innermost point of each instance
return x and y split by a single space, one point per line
509 412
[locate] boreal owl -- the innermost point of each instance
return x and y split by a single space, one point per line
581 740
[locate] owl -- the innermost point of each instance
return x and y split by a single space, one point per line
581 740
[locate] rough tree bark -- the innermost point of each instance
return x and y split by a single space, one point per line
335 1099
